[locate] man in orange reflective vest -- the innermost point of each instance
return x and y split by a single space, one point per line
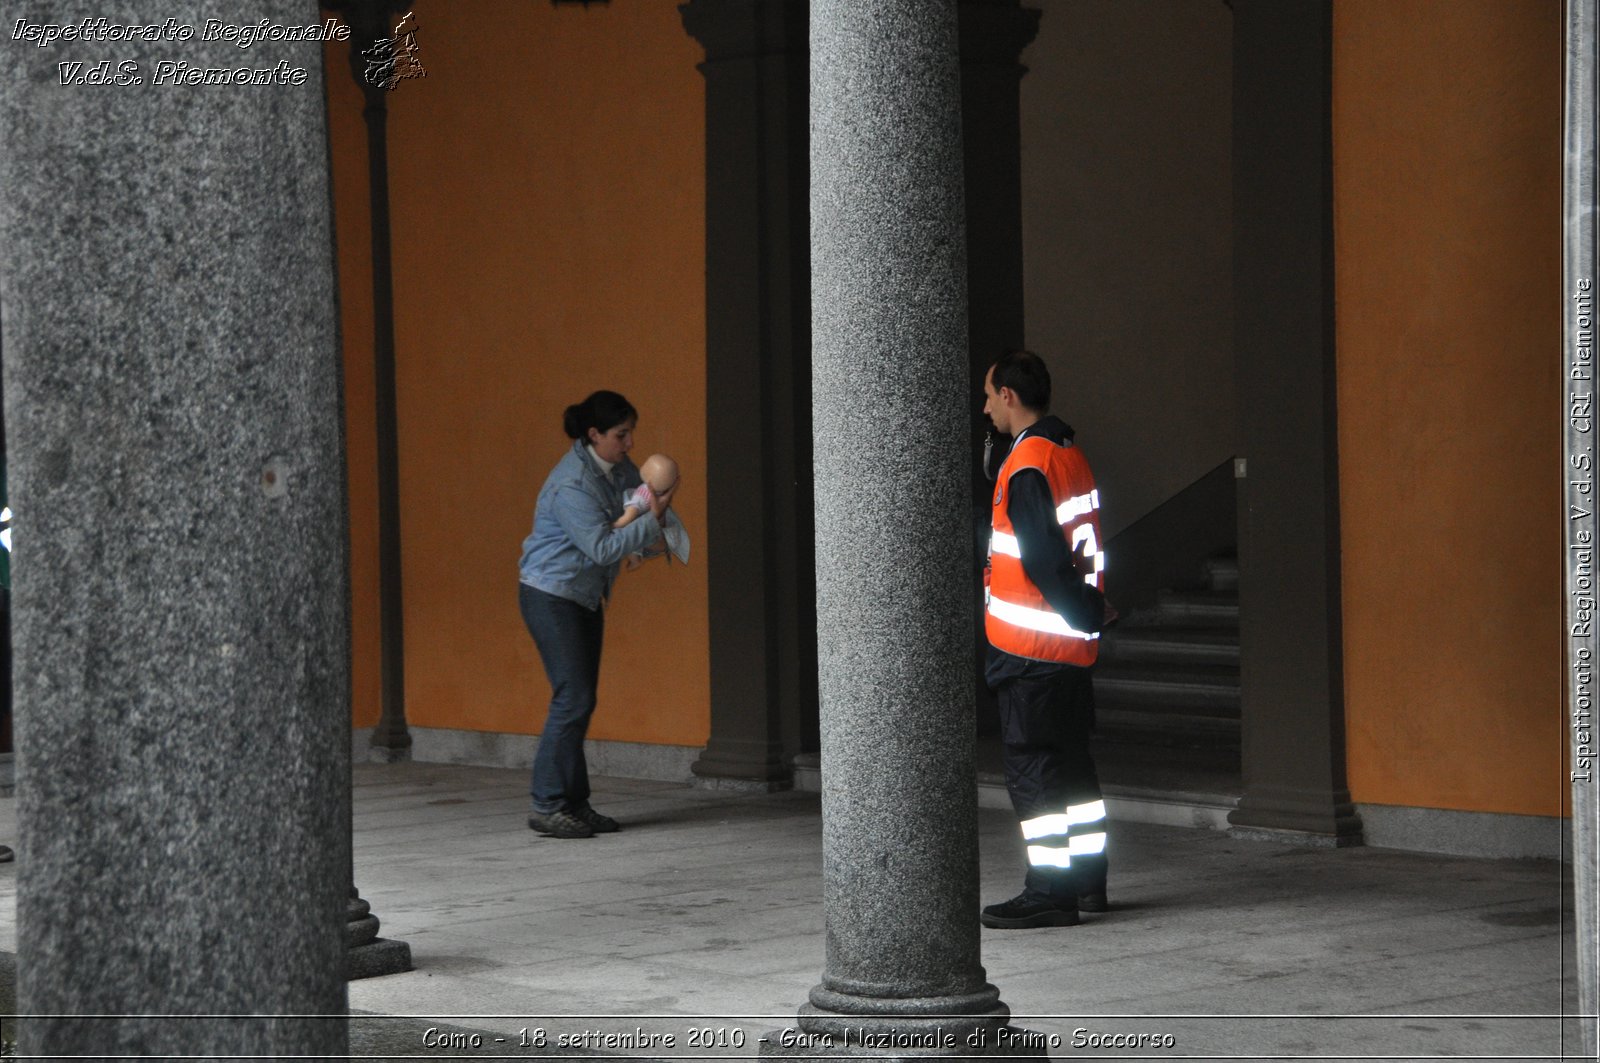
1044 610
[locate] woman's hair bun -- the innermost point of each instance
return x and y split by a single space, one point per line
603 410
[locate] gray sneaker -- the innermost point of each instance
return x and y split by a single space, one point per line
560 825
598 823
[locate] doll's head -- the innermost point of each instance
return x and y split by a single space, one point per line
660 472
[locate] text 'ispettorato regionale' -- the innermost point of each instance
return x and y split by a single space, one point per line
173 71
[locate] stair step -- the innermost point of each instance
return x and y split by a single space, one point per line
1212 689
1175 645
1222 573
1165 766
1166 730
1167 685
1199 607
1166 710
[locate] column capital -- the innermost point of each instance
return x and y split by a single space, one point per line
994 32
739 29
369 22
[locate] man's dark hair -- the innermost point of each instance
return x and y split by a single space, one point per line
1025 374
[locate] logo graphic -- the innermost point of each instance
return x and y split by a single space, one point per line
394 59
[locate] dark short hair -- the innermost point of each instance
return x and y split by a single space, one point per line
1025 374
602 411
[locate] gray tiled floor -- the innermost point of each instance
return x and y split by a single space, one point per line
705 912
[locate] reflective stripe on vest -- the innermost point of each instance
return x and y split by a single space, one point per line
1019 620
1044 620
1068 511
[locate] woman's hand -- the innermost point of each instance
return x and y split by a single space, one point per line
662 502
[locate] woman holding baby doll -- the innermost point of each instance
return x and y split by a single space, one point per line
569 563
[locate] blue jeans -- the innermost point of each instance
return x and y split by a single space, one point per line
568 637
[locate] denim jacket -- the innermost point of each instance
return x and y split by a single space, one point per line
573 552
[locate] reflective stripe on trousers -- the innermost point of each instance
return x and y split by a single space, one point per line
1059 836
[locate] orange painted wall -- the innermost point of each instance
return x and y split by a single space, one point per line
547 190
1447 165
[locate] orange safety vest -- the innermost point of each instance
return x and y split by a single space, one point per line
1018 618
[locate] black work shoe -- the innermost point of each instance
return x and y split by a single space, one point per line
1093 902
560 825
1027 910
597 823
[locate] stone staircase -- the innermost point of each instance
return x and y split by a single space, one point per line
1167 685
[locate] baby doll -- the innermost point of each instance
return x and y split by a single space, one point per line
660 475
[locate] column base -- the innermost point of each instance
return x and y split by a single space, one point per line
868 1023
735 764
1312 818
379 956
390 743
368 954
749 786
791 1043
1305 839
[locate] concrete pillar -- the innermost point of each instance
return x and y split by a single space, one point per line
174 417
993 34
1582 455
1291 634
890 409
371 22
758 392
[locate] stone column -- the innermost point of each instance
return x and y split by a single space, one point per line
758 391
1291 637
890 409
1578 369
371 21
174 412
